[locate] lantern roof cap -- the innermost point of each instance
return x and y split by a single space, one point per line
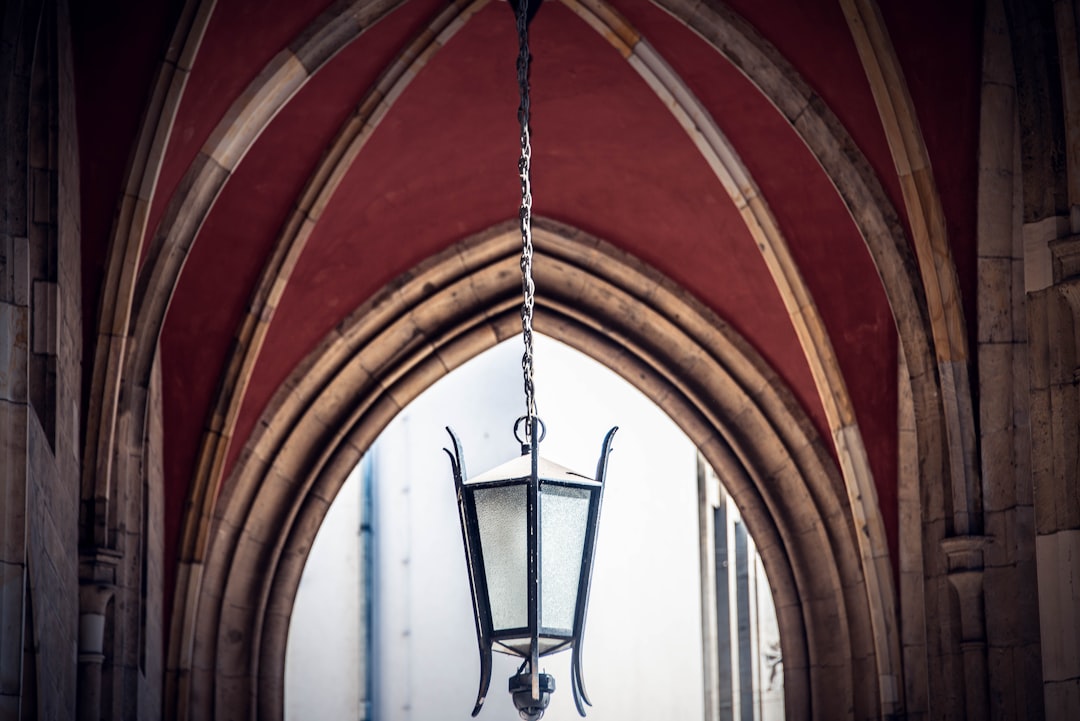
520 468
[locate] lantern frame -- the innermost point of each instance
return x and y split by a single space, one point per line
486 636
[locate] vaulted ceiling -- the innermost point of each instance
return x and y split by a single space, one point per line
355 173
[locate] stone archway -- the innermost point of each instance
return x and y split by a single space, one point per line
607 304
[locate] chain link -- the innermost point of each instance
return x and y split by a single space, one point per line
528 288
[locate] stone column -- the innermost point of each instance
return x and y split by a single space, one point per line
93 602
95 595
964 556
1010 598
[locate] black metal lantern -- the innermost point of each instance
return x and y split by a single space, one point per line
529 528
529 525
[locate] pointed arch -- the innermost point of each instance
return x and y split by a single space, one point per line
617 310
720 155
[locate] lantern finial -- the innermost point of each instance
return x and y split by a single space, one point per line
531 707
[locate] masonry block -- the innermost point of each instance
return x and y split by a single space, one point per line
1062 700
12 579
1059 607
995 204
15 333
995 305
46 317
1003 623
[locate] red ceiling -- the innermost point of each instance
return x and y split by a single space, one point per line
113 81
609 158
227 62
210 302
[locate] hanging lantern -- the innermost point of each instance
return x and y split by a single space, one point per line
529 528
529 525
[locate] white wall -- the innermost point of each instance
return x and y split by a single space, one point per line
324 662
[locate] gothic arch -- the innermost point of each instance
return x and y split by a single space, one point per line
613 308
134 321
720 155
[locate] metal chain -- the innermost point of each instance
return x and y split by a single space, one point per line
528 289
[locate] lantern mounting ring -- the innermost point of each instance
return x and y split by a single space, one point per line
525 441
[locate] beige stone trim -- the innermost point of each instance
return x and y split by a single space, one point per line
298 227
925 214
452 307
137 292
124 260
809 327
943 431
912 588
234 135
938 273
254 109
354 135
860 190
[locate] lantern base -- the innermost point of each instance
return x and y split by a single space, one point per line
531 709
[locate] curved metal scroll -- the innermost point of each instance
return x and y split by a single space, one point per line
577 681
476 586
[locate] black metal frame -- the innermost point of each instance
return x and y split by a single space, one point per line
470 531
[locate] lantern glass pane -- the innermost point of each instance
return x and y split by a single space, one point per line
564 514
500 513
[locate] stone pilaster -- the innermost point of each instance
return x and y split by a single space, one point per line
94 600
1008 578
964 556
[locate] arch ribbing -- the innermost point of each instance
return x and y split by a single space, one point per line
609 305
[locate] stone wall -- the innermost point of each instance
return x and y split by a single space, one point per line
1047 64
40 374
